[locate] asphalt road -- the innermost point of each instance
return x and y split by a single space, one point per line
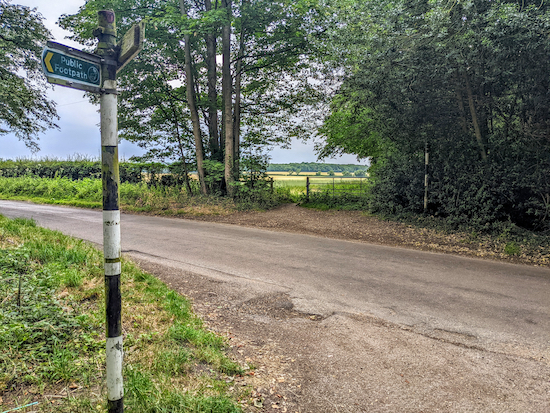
475 303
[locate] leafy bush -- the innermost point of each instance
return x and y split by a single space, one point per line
214 176
255 190
513 185
74 170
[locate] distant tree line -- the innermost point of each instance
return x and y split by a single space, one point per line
315 167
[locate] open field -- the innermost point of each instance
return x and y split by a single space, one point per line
296 185
302 174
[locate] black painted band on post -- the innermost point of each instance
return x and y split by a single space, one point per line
113 305
116 406
110 177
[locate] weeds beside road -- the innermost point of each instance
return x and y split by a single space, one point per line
52 340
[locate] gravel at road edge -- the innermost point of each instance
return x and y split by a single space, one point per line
356 226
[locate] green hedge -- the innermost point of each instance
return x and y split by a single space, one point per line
74 170
512 185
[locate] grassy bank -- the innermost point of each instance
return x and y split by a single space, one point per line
138 197
52 336
165 200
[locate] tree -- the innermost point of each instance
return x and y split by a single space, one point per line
24 107
227 92
264 45
470 79
157 121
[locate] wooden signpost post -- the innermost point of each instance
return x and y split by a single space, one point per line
96 73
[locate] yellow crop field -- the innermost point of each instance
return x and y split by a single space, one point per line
303 175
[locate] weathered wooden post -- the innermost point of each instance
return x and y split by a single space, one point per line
307 189
426 175
106 33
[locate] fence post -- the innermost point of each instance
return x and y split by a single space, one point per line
271 184
307 189
333 193
426 175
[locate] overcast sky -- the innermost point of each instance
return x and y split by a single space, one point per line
79 119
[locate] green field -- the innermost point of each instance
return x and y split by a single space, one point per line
296 185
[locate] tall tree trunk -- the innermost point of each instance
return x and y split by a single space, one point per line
212 92
237 110
191 101
475 119
227 91
237 125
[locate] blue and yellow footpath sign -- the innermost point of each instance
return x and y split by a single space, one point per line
70 67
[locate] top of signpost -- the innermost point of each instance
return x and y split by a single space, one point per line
66 66
131 44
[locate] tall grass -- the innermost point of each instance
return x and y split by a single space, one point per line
88 192
53 190
52 336
138 197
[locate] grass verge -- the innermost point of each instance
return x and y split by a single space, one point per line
87 193
505 238
136 197
52 336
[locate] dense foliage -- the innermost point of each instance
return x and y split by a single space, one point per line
468 78
74 170
24 108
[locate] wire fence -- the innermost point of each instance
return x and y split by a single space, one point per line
337 186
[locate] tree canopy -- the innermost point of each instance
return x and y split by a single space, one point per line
470 79
215 79
24 107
